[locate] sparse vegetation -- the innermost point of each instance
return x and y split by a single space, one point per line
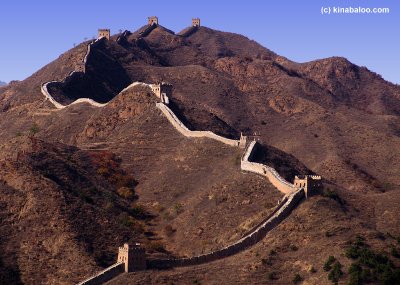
395 252
157 246
272 275
178 207
297 278
336 272
369 266
34 129
125 192
328 264
169 230
138 211
331 194
266 261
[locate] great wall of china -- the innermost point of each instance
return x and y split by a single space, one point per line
293 193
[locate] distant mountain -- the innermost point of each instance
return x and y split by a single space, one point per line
2 83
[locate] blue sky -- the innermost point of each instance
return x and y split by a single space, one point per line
33 33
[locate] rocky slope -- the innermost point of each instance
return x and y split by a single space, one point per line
328 117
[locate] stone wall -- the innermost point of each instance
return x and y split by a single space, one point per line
254 236
147 31
189 31
192 134
81 68
270 173
104 275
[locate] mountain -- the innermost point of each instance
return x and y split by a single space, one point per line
181 196
2 83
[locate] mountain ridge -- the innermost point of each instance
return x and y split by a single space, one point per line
325 116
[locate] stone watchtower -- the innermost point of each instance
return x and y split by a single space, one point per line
163 91
153 20
134 257
242 141
196 22
104 33
310 183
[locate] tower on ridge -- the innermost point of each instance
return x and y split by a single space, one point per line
196 22
153 20
310 183
133 257
104 33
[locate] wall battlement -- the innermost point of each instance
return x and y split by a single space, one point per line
196 22
152 20
310 183
104 33
163 90
133 257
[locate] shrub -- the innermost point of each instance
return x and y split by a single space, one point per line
34 129
370 266
328 264
293 247
137 211
266 261
395 252
157 246
333 195
297 278
169 230
272 275
312 269
336 273
178 208
125 192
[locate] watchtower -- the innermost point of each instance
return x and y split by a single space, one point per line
242 141
196 22
104 33
310 183
133 257
153 20
162 90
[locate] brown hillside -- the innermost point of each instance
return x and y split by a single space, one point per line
328 117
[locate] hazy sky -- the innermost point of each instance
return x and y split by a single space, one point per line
33 33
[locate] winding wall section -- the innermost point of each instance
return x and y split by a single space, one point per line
280 213
46 93
270 173
180 127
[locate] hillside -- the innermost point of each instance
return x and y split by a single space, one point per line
188 196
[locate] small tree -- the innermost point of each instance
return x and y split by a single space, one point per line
336 273
34 129
328 264
297 278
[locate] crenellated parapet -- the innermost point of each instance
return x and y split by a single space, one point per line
196 22
152 20
310 183
162 90
134 257
104 33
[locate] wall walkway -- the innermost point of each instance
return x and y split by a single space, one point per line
105 275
